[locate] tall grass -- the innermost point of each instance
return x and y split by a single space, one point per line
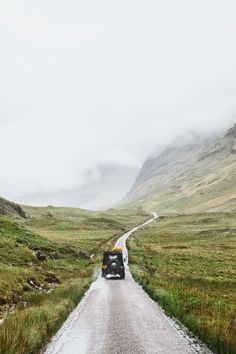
24 278
216 328
29 329
187 265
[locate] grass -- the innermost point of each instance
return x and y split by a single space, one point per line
37 296
187 264
29 329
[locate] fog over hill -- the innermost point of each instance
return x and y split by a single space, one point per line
189 177
176 158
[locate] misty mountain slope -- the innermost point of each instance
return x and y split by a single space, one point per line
209 184
10 208
175 160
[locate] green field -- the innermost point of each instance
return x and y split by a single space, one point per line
37 296
188 265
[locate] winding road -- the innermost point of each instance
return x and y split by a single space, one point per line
117 316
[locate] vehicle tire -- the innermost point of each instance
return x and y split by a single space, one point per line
122 276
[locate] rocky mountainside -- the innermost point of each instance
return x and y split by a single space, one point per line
189 178
171 163
10 208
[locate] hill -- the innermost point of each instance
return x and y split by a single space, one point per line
195 177
10 208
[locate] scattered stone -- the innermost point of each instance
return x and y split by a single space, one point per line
40 256
2 210
37 269
54 255
70 250
33 283
26 287
3 301
233 149
21 241
232 131
51 278
34 247
84 255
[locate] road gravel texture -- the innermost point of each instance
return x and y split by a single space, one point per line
117 316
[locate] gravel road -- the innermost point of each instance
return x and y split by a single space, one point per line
117 316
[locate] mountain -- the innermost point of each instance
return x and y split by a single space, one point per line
189 177
177 158
10 208
102 187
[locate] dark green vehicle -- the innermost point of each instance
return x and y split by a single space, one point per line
113 264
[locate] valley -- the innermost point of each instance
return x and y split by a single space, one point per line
47 261
185 260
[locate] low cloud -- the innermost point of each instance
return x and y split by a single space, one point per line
107 82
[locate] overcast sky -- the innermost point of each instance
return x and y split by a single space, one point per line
88 82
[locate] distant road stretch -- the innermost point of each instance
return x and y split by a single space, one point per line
118 317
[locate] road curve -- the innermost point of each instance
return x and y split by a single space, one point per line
117 316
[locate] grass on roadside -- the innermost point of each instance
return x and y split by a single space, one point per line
29 329
41 294
187 264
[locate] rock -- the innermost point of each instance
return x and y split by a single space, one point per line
54 255
26 287
3 301
49 214
84 255
40 256
2 210
34 247
10 208
37 269
232 131
21 241
33 283
233 148
72 251
51 278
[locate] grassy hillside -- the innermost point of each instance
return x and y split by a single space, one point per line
47 261
187 264
209 185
